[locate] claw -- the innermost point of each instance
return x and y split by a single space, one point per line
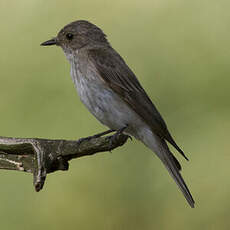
118 132
130 137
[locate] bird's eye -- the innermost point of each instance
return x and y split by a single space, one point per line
69 36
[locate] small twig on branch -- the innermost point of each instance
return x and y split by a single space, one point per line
43 156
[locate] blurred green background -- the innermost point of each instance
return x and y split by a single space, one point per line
180 52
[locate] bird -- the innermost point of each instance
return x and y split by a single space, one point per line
113 94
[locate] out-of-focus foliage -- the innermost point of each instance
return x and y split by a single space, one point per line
180 52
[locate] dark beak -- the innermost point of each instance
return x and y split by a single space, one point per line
50 42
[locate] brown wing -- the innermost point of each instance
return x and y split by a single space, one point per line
121 79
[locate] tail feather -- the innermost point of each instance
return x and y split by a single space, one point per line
177 163
174 172
160 147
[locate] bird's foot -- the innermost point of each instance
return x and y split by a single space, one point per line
115 135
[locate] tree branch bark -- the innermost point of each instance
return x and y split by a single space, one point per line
43 156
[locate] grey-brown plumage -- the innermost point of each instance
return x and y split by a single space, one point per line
112 93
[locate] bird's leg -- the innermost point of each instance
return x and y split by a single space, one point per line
103 133
95 136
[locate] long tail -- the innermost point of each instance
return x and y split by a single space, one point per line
160 147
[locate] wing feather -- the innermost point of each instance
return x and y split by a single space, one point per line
114 71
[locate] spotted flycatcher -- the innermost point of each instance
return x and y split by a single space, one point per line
112 93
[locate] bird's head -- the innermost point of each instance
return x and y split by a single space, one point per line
76 35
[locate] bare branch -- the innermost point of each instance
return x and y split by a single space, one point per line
43 156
